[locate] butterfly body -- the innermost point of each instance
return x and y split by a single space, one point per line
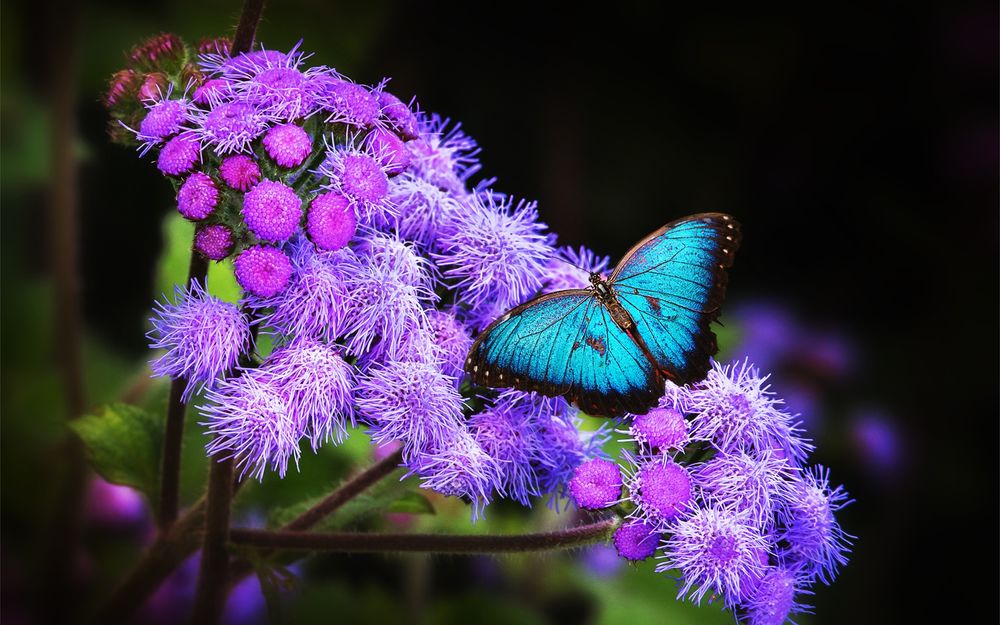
610 346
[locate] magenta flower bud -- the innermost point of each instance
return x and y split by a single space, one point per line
596 484
660 428
350 103
288 145
197 197
209 89
660 488
153 86
396 158
163 119
263 270
157 49
240 172
636 540
272 211
331 223
123 84
399 116
363 178
179 155
214 242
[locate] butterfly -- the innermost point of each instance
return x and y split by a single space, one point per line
610 347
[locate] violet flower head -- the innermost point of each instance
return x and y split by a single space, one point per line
751 484
212 90
240 172
271 82
398 115
263 270
717 551
508 436
204 337
214 242
179 155
362 176
495 253
424 209
397 156
442 156
197 196
318 383
734 408
596 484
458 467
248 418
815 541
636 540
314 303
272 211
330 222
660 429
450 341
571 269
660 488
774 598
348 103
288 145
229 127
560 447
412 402
163 119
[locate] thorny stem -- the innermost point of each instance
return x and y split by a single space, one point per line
357 542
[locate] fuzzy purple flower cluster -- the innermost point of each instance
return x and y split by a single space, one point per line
718 483
363 246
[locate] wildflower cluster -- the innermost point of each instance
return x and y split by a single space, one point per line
717 483
362 245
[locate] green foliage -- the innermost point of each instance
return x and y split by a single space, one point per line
123 443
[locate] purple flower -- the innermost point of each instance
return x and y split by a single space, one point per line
450 341
496 253
734 409
412 402
636 540
315 300
601 560
213 89
659 487
330 222
388 289
248 418
287 144
382 141
660 429
214 242
348 103
179 155
362 177
230 126
508 436
773 601
197 197
815 540
204 337
458 467
163 119
423 209
717 551
398 115
559 449
596 484
446 158
317 382
272 211
271 82
571 269
262 270
750 484
240 172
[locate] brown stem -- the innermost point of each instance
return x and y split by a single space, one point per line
246 29
173 434
210 597
357 542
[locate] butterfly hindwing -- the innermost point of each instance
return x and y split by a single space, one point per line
566 343
672 284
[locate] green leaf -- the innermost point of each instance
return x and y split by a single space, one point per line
123 443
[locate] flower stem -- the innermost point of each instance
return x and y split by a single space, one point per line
356 542
173 434
210 597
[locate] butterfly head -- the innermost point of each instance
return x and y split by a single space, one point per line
600 285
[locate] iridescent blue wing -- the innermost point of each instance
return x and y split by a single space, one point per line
566 343
672 284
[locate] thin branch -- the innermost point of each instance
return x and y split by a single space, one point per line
347 491
210 597
246 29
357 542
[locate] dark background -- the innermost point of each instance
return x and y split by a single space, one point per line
858 147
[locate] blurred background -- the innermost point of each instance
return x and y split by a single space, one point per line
858 147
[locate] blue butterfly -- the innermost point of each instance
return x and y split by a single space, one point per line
609 347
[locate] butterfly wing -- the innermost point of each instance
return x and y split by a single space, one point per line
566 343
672 283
